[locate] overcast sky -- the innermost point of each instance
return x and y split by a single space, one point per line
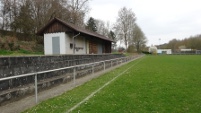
159 19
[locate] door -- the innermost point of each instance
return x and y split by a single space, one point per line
93 47
55 45
100 51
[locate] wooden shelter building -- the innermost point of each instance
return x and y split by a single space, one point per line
65 38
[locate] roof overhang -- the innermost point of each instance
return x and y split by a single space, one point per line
41 32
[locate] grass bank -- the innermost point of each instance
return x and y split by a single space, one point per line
156 84
18 53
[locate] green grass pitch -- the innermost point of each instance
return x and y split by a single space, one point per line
170 84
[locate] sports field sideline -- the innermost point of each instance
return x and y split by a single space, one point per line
150 84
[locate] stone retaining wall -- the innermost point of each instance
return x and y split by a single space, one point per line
17 88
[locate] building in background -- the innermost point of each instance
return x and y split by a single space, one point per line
65 38
164 51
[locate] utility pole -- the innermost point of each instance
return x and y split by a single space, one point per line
159 43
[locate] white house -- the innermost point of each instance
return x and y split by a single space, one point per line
164 51
185 50
62 43
65 38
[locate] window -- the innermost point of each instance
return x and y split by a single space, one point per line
71 45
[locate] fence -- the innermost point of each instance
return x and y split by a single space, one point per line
71 74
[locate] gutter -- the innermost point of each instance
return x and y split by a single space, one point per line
74 42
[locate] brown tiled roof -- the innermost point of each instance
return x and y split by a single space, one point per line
73 27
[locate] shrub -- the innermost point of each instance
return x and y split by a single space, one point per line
9 43
131 49
2 43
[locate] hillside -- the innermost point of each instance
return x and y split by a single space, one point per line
192 42
10 45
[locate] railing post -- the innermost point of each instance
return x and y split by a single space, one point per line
36 88
92 68
104 65
116 61
111 63
74 75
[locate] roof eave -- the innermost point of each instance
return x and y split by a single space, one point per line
41 31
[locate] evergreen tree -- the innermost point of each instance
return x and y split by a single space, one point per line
91 25
112 35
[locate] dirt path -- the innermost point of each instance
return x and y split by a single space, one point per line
28 102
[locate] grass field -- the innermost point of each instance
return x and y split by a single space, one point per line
153 84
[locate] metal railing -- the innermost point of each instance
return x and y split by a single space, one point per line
117 60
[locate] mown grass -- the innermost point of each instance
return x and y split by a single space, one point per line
67 100
156 84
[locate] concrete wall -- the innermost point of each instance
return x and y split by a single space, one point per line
18 88
65 41
80 45
48 42
68 41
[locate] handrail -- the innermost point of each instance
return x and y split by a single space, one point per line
74 73
41 72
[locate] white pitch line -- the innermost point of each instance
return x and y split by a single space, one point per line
93 93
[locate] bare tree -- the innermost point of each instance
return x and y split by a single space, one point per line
124 25
192 42
102 27
24 21
43 11
78 10
5 13
15 13
138 39
8 11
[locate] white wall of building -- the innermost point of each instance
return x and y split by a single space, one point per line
68 42
48 43
62 43
81 44
65 41
186 50
161 51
